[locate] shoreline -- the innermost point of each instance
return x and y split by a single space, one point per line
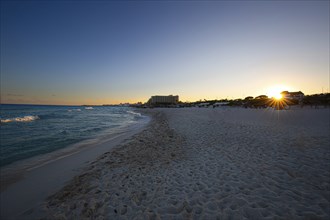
208 163
146 153
15 171
25 184
202 163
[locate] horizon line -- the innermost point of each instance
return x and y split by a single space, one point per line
131 103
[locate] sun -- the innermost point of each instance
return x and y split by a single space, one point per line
278 101
275 91
277 96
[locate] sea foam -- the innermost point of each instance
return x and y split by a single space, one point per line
134 113
20 119
78 110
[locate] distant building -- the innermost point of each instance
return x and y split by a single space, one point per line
292 95
163 100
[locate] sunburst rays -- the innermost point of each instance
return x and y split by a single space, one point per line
280 104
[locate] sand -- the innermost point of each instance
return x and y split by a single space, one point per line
26 184
198 163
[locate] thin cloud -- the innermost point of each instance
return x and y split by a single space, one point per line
14 95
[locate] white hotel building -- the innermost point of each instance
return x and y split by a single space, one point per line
164 100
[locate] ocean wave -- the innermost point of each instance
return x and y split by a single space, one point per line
89 108
134 113
20 119
78 110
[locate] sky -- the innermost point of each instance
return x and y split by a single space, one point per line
102 52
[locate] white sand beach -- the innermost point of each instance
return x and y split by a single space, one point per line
197 163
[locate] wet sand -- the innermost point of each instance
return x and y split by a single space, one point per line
25 185
197 163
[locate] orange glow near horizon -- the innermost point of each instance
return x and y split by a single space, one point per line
69 98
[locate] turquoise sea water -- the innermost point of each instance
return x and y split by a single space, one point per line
30 130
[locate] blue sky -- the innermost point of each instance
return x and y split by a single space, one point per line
85 52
